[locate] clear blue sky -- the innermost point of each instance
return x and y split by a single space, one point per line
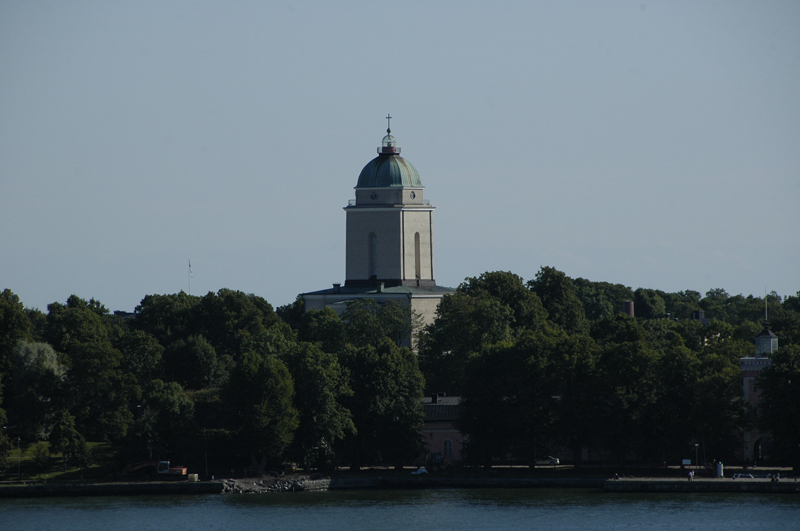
652 144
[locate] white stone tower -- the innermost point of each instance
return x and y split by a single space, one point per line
389 240
389 224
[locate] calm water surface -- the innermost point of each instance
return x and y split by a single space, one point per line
427 510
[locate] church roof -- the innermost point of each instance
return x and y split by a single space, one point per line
766 332
373 290
388 168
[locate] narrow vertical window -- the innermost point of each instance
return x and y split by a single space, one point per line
417 264
373 255
447 447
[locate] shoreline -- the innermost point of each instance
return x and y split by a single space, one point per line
305 484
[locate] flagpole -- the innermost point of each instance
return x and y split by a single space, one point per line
190 276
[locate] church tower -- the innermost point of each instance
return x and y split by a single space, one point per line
389 240
389 224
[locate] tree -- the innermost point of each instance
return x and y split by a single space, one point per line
65 439
601 299
509 289
163 425
231 319
648 304
39 380
14 326
508 404
719 406
626 372
680 305
167 317
320 383
323 328
259 393
578 410
362 324
292 314
142 355
41 457
5 441
779 407
464 324
560 299
98 391
193 363
386 404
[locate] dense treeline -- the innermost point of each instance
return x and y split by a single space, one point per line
552 363
544 364
221 375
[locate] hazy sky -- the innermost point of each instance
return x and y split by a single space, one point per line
652 144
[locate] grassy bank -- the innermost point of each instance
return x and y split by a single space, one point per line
35 462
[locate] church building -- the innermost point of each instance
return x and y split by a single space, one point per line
757 445
389 243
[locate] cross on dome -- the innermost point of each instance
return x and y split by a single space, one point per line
389 141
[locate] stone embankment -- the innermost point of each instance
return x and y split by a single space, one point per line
265 485
109 489
299 483
305 483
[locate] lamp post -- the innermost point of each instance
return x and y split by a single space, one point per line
19 461
695 455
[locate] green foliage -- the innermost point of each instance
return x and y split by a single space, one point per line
14 326
601 299
508 289
65 439
39 387
41 457
323 328
508 405
319 389
680 305
259 393
320 385
232 320
167 317
385 406
464 324
560 299
648 304
5 440
779 408
292 314
193 363
98 391
626 375
142 355
163 424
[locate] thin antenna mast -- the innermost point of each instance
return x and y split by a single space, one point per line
190 276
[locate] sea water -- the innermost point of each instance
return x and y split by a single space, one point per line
461 509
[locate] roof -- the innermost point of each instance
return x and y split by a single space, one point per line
388 170
393 290
766 332
446 408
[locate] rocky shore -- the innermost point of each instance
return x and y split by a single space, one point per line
268 484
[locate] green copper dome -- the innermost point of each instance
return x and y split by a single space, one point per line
388 169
